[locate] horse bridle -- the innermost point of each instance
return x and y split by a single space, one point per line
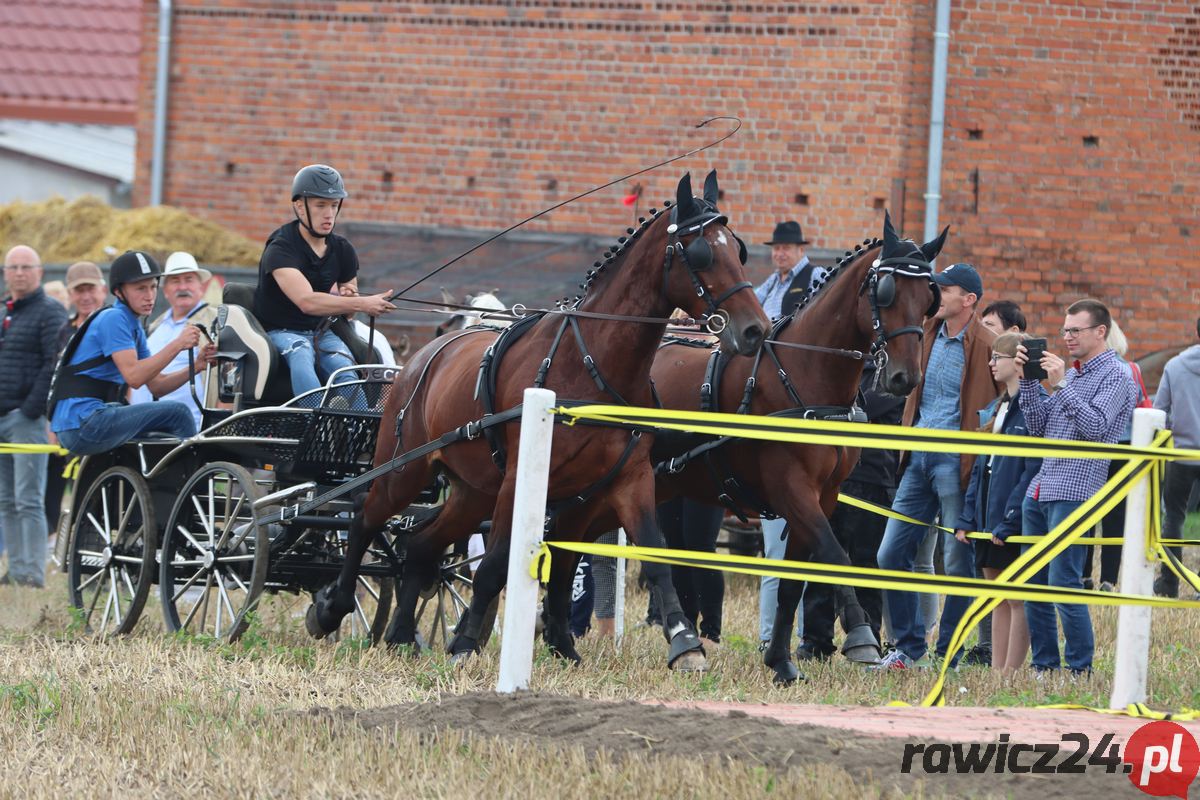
880 287
697 256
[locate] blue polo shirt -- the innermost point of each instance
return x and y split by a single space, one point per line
114 329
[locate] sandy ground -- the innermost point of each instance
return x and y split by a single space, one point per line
869 743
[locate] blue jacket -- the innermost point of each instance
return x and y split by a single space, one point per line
993 501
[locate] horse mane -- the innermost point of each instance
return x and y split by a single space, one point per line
613 257
834 271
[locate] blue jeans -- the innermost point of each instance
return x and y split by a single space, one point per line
1065 570
930 487
768 588
296 348
115 424
22 497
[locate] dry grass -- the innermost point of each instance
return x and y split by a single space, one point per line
153 715
66 231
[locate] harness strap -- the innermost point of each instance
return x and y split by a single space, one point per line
590 364
540 380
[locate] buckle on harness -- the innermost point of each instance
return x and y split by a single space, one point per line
472 430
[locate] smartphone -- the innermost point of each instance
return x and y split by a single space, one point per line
1036 348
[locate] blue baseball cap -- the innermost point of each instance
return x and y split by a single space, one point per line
962 275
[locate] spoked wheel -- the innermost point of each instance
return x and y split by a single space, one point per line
372 604
214 555
110 565
443 606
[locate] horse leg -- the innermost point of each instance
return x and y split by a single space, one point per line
333 602
632 498
816 540
461 514
778 655
490 576
556 608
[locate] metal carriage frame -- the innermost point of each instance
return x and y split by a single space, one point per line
207 520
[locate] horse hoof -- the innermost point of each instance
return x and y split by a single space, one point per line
862 654
460 648
786 674
313 624
567 654
458 659
684 643
861 646
691 661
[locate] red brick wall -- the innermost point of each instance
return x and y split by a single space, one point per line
476 113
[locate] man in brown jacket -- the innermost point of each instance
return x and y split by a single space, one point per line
957 383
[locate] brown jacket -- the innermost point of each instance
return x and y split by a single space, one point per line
976 390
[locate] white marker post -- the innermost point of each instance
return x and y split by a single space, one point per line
1137 577
619 600
529 516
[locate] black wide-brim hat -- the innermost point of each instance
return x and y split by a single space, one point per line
788 233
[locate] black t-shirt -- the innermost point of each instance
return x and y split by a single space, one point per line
286 248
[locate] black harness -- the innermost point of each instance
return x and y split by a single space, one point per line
67 382
880 288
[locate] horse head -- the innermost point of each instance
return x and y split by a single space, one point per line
712 282
898 293
480 304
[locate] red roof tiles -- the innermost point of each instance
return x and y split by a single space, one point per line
70 60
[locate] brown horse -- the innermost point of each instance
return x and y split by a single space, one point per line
687 258
877 297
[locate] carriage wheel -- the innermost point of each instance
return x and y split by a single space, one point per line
442 609
214 555
110 565
372 605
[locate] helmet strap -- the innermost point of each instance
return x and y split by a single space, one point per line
306 220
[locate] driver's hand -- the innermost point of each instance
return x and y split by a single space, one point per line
377 304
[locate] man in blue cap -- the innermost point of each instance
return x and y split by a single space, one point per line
795 277
957 384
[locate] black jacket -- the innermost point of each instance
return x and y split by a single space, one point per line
797 290
28 351
876 465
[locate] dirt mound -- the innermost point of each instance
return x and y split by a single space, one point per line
629 729
88 229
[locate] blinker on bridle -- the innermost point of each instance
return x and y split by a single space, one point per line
880 288
697 256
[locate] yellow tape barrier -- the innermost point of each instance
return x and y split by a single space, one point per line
1011 583
855 434
884 511
7 448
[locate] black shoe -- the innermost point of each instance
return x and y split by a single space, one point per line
810 652
6 580
1166 586
977 657
1087 583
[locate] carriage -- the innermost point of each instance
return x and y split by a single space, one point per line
210 521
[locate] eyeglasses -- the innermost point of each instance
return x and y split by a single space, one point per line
997 356
20 267
1073 333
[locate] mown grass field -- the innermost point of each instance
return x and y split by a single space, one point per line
153 715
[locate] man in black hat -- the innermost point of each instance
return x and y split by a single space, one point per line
795 276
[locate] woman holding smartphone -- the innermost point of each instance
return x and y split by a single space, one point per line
993 503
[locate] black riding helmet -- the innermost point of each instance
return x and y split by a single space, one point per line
317 180
132 266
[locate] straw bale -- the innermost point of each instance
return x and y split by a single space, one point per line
89 229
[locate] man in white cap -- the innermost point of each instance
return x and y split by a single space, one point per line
184 282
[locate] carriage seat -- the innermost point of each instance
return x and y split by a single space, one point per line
265 376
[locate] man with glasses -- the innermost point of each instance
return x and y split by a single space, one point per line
28 339
1094 401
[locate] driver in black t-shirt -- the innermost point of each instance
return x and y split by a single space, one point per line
302 262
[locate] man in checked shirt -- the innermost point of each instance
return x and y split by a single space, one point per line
1094 399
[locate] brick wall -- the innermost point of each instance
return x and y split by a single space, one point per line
476 113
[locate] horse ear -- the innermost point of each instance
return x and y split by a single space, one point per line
683 198
710 189
890 237
931 249
447 299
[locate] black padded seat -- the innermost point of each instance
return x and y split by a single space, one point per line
265 377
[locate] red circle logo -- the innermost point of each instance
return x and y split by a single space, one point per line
1163 758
